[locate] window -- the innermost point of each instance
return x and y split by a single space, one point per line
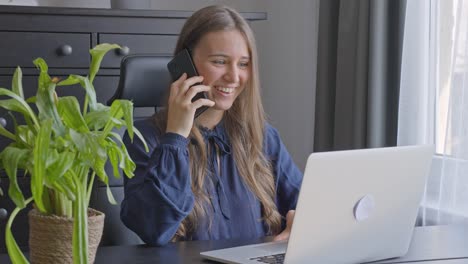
434 102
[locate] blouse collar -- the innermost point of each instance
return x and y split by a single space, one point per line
218 135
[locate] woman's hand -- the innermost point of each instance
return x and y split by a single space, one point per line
181 109
287 231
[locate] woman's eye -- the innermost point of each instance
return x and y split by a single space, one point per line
244 64
219 62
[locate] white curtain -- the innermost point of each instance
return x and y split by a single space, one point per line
434 102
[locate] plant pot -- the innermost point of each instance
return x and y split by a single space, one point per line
50 237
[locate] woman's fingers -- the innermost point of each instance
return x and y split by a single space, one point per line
181 85
203 102
175 86
196 89
189 82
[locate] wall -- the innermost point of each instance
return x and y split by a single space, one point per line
287 43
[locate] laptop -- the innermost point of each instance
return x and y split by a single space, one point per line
354 206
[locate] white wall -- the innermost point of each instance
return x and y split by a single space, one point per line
287 43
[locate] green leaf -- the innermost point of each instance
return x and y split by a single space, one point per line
7 133
11 157
140 136
127 109
16 256
115 154
99 168
40 152
96 120
80 141
45 97
64 186
129 165
45 102
44 78
110 197
63 143
29 124
17 85
116 137
14 105
116 113
93 151
97 54
58 168
117 123
69 110
87 145
69 81
46 201
80 226
52 157
90 91
126 163
24 136
31 100
17 105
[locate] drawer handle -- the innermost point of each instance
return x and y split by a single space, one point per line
3 214
3 122
123 51
65 50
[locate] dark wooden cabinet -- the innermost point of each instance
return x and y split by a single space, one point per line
63 37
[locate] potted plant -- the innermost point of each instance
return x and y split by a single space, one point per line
62 146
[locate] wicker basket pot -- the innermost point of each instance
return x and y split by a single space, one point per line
50 237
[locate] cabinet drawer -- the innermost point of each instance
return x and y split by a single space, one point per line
161 44
21 48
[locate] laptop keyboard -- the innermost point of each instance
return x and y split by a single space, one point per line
271 259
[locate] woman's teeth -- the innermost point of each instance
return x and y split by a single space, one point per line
225 89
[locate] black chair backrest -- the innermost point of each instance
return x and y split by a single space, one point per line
144 79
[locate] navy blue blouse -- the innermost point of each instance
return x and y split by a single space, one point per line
159 196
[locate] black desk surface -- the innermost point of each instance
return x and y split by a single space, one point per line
431 245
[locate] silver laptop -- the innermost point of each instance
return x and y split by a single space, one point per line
354 206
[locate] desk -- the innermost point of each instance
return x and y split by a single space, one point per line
430 245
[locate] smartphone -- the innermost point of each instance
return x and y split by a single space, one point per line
182 62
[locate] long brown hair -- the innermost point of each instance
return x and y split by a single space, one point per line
244 123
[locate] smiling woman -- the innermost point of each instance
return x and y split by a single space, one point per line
225 174
222 58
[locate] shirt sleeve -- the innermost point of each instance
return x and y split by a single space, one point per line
288 176
159 196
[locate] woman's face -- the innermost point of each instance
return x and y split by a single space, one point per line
222 58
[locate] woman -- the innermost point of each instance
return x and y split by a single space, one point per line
225 174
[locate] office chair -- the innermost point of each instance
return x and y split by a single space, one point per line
144 79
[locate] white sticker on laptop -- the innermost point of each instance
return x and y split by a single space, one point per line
364 207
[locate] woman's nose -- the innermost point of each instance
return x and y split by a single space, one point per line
232 74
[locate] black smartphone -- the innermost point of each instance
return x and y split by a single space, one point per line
182 62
